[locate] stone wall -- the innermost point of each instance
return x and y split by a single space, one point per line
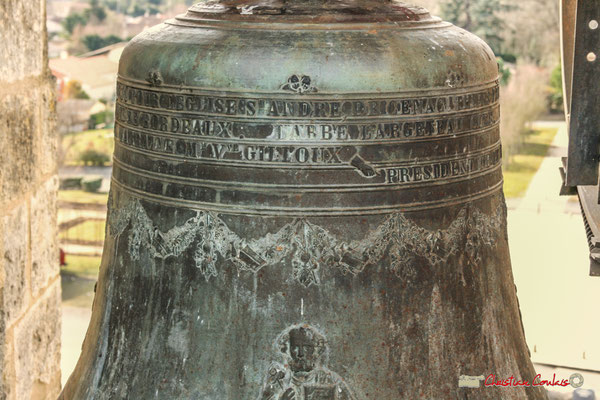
29 271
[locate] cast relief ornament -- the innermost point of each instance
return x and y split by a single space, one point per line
299 84
303 372
309 247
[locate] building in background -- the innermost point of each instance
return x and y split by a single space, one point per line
61 9
96 71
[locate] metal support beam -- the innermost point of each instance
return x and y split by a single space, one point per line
582 88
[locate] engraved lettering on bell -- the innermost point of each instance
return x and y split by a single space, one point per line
303 375
245 202
299 84
440 125
391 104
308 247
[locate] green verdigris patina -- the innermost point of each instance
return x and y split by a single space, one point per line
306 204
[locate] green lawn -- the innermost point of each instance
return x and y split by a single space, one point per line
79 196
92 230
525 164
74 143
82 266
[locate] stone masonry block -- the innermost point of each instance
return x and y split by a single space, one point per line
46 145
22 29
37 348
4 378
19 123
7 376
44 248
15 244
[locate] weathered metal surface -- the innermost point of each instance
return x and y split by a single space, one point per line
306 204
590 209
581 37
568 10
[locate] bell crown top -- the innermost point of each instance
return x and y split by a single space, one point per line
309 11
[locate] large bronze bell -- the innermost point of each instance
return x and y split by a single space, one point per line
306 203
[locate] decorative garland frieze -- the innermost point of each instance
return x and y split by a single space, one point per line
309 247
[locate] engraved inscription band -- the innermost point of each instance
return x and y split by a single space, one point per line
223 152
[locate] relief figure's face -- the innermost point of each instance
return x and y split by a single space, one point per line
302 350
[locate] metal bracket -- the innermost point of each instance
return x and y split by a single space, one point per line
581 60
591 216
580 34
564 189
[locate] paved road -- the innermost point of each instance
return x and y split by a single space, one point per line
75 321
549 253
